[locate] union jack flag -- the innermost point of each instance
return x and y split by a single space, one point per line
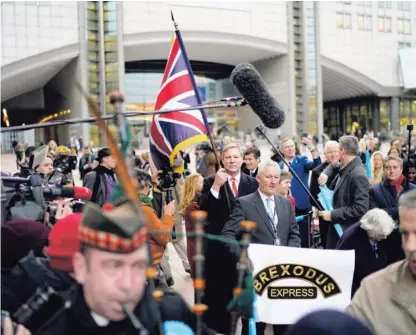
172 132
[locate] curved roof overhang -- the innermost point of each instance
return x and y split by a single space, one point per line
341 82
34 72
229 48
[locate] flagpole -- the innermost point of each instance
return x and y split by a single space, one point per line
189 68
198 100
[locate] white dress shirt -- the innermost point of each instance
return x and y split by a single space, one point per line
285 167
237 182
253 171
100 320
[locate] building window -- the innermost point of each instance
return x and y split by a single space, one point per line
408 6
92 25
364 22
384 24
92 5
110 46
404 5
384 4
92 56
403 45
111 76
92 15
110 6
92 37
360 22
344 20
403 26
111 57
368 22
364 3
92 46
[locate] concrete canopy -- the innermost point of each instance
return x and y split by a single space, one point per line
207 46
341 82
34 72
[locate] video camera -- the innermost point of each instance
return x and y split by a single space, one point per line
35 158
65 163
29 197
167 179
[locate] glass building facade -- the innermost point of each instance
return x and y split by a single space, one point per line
368 113
141 89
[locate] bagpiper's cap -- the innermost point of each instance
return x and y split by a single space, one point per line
119 229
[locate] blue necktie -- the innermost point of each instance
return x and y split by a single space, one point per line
270 211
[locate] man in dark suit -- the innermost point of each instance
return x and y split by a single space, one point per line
351 189
386 194
331 151
218 197
251 161
274 215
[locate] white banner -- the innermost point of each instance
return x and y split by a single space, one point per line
292 282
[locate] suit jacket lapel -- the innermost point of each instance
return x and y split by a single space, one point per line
346 173
241 185
341 180
258 204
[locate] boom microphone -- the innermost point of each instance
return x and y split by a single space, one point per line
250 84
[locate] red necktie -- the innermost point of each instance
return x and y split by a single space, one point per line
234 186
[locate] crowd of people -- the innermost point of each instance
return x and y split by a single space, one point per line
97 258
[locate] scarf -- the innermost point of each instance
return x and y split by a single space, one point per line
397 183
146 199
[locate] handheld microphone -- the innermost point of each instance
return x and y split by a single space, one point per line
250 84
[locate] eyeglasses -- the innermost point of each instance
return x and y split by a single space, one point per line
392 168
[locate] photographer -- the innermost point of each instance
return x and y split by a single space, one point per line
64 163
158 195
158 242
86 161
25 165
46 167
101 181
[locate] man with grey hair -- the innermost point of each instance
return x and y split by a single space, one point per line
385 195
351 187
274 215
386 300
301 165
376 243
331 151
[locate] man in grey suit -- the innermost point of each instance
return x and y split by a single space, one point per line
274 215
275 218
